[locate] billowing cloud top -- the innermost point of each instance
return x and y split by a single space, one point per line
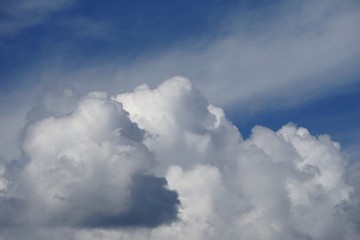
163 163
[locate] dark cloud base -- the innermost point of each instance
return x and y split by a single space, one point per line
152 205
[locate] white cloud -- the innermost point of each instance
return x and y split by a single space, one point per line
274 185
178 118
85 164
85 168
83 154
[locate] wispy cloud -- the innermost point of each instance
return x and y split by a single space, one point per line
296 55
285 54
19 14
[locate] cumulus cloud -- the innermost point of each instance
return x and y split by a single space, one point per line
88 168
163 163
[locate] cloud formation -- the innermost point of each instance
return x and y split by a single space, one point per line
163 163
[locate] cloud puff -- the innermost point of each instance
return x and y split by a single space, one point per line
89 168
163 163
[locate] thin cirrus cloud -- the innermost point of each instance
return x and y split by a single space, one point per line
164 163
290 51
20 14
299 52
277 55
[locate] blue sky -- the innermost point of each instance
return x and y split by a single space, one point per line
336 115
256 59
120 30
112 126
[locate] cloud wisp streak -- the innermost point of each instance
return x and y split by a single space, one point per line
291 55
277 56
294 51
20 14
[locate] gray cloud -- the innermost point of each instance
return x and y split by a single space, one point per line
353 207
151 205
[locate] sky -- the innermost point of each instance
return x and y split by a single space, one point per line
134 119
